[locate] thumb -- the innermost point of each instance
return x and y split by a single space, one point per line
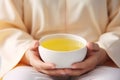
35 45
93 46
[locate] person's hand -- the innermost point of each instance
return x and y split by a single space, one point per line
95 56
32 58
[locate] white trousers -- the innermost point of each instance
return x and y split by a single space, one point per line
28 73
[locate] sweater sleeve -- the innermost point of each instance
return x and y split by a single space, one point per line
110 40
14 36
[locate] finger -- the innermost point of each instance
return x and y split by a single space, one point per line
34 45
93 46
79 65
76 72
36 62
89 63
54 72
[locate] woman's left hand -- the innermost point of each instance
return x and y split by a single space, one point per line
95 56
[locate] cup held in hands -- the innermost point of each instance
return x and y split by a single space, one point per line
62 49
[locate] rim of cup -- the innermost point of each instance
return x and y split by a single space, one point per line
63 35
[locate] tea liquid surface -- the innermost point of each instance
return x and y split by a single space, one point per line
62 44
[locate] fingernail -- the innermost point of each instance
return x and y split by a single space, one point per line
63 73
52 66
73 66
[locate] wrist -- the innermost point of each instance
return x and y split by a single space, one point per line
25 59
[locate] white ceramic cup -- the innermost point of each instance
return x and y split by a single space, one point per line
63 59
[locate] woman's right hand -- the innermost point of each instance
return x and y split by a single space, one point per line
32 58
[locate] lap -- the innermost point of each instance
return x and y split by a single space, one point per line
101 73
29 73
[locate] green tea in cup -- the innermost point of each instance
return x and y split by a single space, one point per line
62 44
